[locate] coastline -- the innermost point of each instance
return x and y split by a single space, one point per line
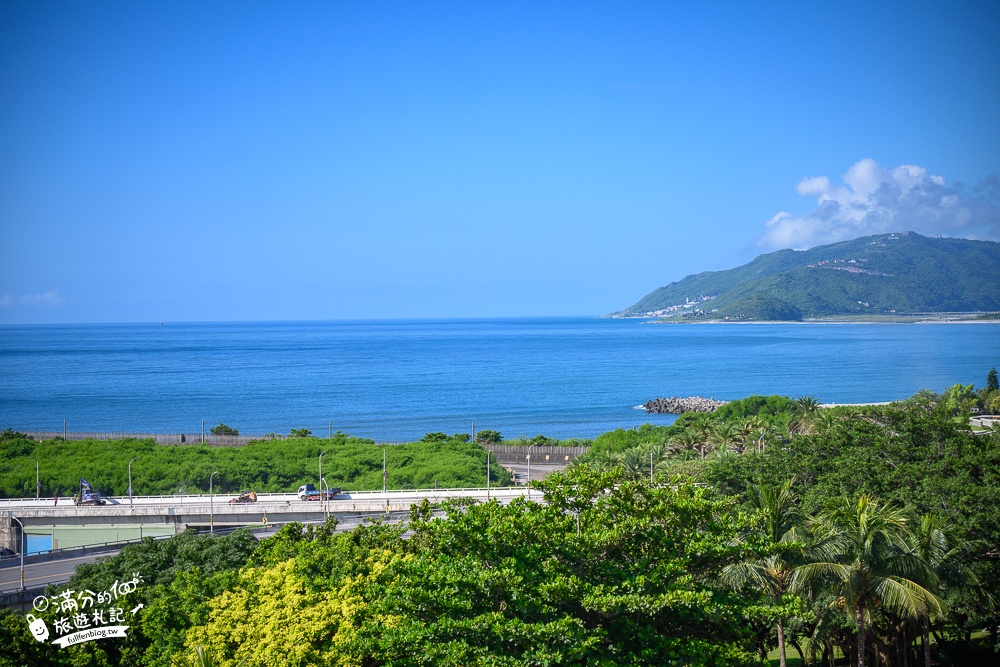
832 321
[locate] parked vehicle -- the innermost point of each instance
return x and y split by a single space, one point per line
310 492
87 495
244 497
89 498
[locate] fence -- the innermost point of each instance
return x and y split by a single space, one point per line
538 453
159 438
506 452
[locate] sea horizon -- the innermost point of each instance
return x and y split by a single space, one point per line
394 380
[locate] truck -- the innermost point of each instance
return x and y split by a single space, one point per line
244 497
87 495
89 498
310 492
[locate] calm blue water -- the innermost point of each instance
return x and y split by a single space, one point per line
396 380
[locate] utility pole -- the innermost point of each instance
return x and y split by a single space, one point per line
64 428
21 549
203 430
211 505
321 473
529 469
130 483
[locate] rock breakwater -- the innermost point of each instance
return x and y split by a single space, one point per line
675 405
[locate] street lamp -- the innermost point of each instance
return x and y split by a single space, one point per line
21 549
529 469
321 469
326 498
211 505
130 483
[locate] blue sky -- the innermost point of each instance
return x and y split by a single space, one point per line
189 161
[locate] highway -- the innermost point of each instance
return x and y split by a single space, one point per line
60 569
221 500
42 574
350 509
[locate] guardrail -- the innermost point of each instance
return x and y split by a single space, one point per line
168 438
223 498
71 552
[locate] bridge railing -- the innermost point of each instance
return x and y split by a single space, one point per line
223 498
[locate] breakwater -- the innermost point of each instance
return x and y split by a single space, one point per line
675 405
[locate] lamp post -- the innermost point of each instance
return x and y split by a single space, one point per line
211 505
326 498
321 470
21 549
529 469
130 483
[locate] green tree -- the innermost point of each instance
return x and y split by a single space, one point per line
488 437
300 433
222 429
606 571
806 405
863 556
780 527
992 384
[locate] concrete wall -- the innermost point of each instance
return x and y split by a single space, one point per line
10 533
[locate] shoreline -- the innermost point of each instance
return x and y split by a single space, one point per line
824 321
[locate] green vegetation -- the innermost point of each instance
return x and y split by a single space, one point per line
770 526
874 275
263 466
222 429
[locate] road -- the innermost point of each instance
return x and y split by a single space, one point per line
220 501
59 571
43 574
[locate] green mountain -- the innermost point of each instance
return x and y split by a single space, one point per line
888 273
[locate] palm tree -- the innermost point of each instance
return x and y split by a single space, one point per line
685 440
929 541
863 553
635 464
763 435
747 426
604 461
780 527
723 436
806 405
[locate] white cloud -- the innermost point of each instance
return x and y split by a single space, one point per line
875 200
6 299
50 298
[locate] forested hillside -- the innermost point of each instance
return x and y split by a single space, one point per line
884 274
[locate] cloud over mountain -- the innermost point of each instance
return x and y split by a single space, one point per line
875 200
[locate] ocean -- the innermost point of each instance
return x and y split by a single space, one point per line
395 380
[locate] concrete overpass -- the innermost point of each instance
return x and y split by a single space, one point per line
123 519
